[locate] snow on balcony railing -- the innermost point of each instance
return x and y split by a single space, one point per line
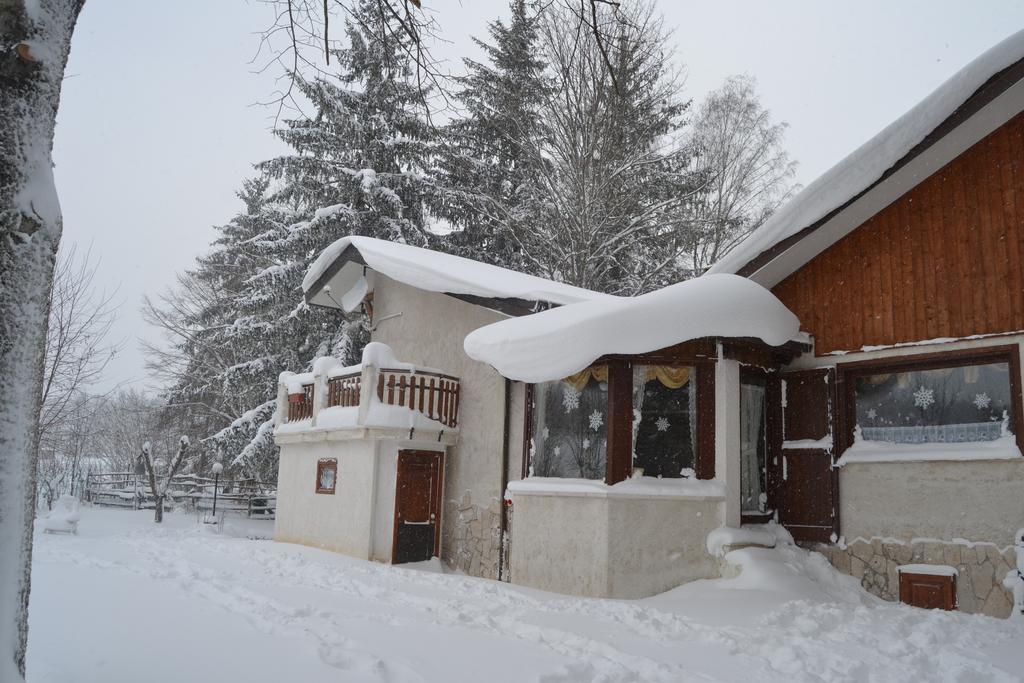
431 393
344 391
381 392
300 403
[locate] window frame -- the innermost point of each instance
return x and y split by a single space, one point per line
848 373
321 465
619 458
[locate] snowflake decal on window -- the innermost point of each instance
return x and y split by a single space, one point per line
872 414
596 420
982 401
546 432
570 399
662 424
924 397
557 450
586 443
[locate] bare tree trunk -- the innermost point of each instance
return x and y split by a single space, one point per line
35 38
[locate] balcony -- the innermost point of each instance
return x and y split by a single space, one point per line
381 393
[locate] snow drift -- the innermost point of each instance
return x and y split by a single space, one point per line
559 342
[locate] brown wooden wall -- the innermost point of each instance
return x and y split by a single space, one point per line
943 260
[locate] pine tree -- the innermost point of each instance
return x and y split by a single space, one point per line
357 168
483 168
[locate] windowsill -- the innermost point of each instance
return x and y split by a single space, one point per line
1003 448
635 488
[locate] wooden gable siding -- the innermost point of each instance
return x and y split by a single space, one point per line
943 260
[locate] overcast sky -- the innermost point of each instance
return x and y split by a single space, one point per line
158 122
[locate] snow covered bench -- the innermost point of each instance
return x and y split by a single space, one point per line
64 516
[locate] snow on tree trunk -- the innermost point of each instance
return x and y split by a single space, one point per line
35 37
159 487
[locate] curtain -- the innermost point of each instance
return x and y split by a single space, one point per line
598 373
671 377
751 430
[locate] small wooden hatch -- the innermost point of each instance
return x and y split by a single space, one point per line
927 586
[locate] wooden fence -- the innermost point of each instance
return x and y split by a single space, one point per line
130 490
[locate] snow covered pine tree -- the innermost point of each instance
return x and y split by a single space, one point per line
357 168
35 38
483 171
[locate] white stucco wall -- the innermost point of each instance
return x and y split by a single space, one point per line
606 546
978 500
340 522
727 435
430 332
975 500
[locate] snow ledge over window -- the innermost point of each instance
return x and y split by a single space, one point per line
556 343
1003 448
637 487
929 569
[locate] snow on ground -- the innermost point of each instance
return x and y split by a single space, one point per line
127 600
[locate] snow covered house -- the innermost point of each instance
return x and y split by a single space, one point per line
851 371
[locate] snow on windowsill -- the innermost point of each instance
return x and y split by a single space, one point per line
824 444
637 487
1003 448
930 569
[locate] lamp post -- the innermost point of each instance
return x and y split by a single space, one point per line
217 469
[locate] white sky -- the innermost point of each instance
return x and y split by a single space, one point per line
157 124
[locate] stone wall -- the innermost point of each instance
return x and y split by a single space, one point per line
981 568
471 536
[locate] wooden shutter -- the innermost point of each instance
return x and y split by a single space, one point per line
928 590
807 494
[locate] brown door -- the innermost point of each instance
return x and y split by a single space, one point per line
417 506
806 484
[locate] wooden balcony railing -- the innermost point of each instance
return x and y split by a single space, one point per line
301 409
344 391
433 394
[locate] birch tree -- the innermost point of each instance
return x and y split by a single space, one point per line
35 38
738 150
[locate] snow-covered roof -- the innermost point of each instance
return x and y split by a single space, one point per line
559 342
426 269
935 118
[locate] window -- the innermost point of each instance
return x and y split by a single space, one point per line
569 426
665 420
326 475
959 399
753 444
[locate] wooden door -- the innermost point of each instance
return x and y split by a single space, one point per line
418 486
806 484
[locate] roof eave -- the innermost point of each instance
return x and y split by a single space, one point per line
984 95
